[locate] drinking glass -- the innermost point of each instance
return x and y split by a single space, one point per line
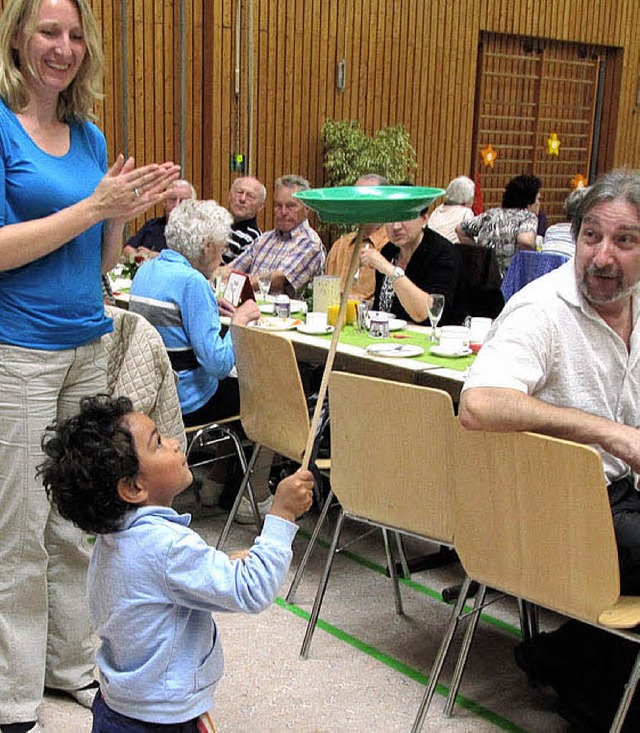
264 283
435 309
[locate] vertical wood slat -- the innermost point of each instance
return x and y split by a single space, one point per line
406 61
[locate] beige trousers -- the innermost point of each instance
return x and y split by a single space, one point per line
45 632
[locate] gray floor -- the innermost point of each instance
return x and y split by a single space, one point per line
367 667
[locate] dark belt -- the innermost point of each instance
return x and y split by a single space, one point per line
183 360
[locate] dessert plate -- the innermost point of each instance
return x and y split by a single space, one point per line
277 324
437 351
303 328
394 350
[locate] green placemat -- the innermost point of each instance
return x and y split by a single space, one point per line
355 338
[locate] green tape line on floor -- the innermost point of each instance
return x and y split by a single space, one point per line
404 669
365 562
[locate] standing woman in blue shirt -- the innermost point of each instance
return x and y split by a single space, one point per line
62 215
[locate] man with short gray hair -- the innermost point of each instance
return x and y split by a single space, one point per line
563 358
292 252
149 240
246 198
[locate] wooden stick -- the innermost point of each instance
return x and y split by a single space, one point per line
353 266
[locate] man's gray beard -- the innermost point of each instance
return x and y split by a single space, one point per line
623 293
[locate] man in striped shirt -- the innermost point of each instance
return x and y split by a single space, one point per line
292 253
246 199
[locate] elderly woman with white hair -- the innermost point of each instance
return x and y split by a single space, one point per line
173 292
455 209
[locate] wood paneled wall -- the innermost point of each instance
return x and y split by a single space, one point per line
407 61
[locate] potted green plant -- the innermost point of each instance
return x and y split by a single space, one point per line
349 153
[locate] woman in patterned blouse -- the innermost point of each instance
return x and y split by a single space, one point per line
508 228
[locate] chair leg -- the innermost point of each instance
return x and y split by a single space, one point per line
441 656
243 487
322 587
309 549
205 432
397 597
464 650
627 697
404 564
529 623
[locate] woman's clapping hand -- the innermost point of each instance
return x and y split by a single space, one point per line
126 191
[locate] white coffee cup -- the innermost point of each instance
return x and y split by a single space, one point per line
454 339
317 321
478 329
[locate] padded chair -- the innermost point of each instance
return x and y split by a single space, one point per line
527 266
138 366
401 484
273 408
533 520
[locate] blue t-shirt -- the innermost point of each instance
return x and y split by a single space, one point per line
54 302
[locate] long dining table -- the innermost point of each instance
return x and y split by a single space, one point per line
427 370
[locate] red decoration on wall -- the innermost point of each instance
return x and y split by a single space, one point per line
478 206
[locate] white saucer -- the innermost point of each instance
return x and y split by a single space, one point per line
394 350
396 324
437 350
312 331
296 306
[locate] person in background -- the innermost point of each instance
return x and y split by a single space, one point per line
172 291
339 257
246 199
558 238
153 582
455 209
58 232
508 228
415 262
292 253
150 240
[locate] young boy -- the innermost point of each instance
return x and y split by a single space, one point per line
153 582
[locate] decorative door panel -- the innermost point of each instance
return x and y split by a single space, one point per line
536 105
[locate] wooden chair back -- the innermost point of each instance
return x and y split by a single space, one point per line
533 519
390 452
273 408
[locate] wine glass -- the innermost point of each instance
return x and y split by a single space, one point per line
264 283
435 308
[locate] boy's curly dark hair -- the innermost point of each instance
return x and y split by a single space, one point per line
85 457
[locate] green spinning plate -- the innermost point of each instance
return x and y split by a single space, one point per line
368 204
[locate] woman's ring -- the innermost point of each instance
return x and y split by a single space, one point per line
136 192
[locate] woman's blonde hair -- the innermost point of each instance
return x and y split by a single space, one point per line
17 24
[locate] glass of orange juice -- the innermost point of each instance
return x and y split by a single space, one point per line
332 314
352 312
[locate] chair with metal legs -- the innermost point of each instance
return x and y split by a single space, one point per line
533 520
273 408
400 484
202 440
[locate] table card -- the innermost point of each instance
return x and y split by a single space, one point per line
238 288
